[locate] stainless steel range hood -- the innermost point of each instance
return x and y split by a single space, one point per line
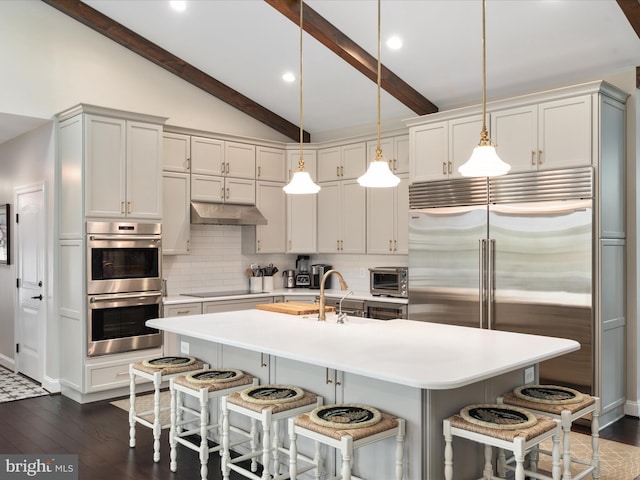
203 213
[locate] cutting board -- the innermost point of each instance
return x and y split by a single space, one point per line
293 308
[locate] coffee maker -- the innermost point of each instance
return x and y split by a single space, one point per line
303 279
317 272
289 278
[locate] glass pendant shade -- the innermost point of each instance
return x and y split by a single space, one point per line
378 175
300 184
484 162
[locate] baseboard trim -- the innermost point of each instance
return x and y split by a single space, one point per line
51 385
632 408
8 362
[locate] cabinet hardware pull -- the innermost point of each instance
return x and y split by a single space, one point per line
337 171
228 193
259 168
188 163
128 207
444 168
182 312
391 245
540 162
222 167
337 244
335 378
222 193
342 171
228 169
341 244
395 164
327 380
450 167
122 374
258 245
395 245
122 207
262 364
533 157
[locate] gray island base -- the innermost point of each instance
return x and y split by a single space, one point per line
420 371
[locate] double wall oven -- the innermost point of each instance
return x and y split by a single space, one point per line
124 281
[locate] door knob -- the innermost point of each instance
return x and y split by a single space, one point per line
39 297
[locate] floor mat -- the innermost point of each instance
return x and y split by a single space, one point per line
17 387
618 461
144 403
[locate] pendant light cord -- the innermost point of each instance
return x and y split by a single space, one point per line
484 134
301 160
378 147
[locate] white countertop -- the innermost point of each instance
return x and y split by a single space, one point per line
288 292
417 354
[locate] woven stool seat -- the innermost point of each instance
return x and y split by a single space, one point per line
203 385
267 405
155 370
566 405
354 427
522 435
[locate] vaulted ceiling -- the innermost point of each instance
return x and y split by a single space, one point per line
238 50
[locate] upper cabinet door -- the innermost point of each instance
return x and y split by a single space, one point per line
515 133
176 152
464 136
144 170
207 156
354 161
329 162
105 167
240 160
564 133
429 146
271 164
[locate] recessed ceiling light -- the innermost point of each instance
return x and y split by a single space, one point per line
289 77
394 42
178 5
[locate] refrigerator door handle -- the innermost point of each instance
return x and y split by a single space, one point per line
482 268
491 278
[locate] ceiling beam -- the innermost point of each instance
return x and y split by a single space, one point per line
187 72
336 41
631 10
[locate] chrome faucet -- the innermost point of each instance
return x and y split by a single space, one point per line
343 286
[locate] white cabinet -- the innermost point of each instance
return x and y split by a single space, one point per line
234 305
207 188
342 162
302 209
548 135
123 168
341 217
387 218
395 150
271 164
270 200
429 152
170 340
222 172
176 224
176 152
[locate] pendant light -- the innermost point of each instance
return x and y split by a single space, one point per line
484 161
301 182
379 174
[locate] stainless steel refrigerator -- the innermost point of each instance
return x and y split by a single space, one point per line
509 253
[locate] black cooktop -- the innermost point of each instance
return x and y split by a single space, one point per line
217 294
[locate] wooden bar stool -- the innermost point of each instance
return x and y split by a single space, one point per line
564 404
156 370
268 404
203 385
345 427
507 428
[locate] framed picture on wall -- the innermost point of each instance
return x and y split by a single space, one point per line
5 247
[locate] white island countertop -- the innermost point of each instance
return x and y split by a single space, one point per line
416 354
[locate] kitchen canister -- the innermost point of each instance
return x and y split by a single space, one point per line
255 284
267 284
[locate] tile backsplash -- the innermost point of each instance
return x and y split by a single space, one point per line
216 263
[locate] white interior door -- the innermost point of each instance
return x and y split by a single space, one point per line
30 321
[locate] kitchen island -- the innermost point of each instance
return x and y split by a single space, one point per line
421 371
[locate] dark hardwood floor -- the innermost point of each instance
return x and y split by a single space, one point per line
99 434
